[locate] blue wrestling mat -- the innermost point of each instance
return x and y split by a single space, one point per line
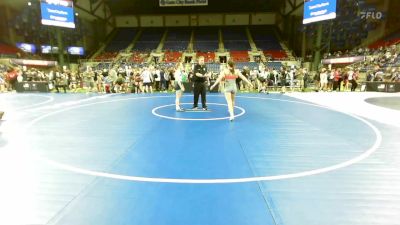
132 159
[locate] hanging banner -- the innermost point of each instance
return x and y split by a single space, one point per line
344 60
30 62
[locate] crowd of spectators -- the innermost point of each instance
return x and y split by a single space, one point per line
381 64
144 78
336 79
124 75
382 56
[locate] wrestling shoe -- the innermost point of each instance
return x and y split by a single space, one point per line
180 109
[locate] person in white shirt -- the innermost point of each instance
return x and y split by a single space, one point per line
73 84
353 79
128 74
253 77
128 70
276 75
263 80
113 74
147 80
89 77
121 71
350 76
323 79
292 74
20 78
2 82
179 88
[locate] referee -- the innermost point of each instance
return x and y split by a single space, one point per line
200 77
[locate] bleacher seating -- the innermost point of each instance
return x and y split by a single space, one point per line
8 50
237 45
205 43
177 40
269 43
121 40
274 65
172 56
206 39
239 56
139 57
392 39
100 66
275 54
235 39
107 56
250 65
149 39
208 56
213 67
265 40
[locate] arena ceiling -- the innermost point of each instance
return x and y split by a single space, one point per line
130 7
124 7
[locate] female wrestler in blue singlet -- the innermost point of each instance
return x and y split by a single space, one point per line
230 74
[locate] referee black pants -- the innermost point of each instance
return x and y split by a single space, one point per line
200 88
353 85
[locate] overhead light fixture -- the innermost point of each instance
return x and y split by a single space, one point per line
29 3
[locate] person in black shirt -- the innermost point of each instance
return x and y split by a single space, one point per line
200 76
246 73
